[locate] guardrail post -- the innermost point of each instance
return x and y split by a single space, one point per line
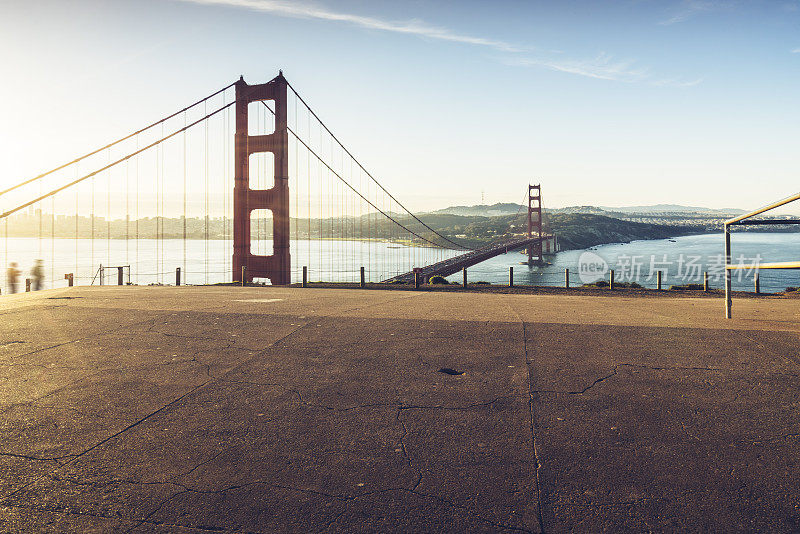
728 300
178 276
102 274
464 272
119 276
566 278
244 270
416 280
658 280
69 278
363 280
305 276
757 283
705 280
611 279
510 277
27 285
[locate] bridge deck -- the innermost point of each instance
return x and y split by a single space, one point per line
468 259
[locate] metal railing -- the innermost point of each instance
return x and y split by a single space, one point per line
746 220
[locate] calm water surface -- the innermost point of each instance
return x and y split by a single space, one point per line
683 260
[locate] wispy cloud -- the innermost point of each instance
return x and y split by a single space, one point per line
690 8
411 27
603 66
796 51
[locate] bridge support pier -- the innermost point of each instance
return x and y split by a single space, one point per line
246 265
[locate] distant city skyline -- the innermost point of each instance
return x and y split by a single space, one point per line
633 102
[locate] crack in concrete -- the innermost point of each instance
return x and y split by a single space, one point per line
400 408
89 336
579 391
404 449
72 457
532 396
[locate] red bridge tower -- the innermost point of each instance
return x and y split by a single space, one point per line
277 266
535 223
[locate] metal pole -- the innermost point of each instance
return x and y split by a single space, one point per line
728 302
244 268
305 276
416 280
566 278
178 276
119 276
464 271
363 280
658 280
510 277
69 278
611 279
757 283
102 274
705 280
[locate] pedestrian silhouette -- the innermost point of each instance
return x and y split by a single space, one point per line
37 276
11 274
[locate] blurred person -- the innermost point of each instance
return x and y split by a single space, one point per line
37 276
12 275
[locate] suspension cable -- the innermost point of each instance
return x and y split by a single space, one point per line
356 191
98 171
26 182
459 245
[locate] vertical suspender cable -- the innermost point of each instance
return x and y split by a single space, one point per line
91 270
184 274
205 127
157 240
52 241
137 212
40 220
108 209
127 215
76 273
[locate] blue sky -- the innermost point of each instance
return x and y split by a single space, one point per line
606 103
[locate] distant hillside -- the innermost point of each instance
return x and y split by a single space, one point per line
674 208
482 210
584 230
579 209
574 230
508 208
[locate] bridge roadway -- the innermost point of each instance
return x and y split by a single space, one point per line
468 259
197 409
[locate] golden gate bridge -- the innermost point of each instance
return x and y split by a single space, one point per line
252 173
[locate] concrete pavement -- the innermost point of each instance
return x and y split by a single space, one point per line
195 409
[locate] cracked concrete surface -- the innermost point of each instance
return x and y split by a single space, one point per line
193 410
